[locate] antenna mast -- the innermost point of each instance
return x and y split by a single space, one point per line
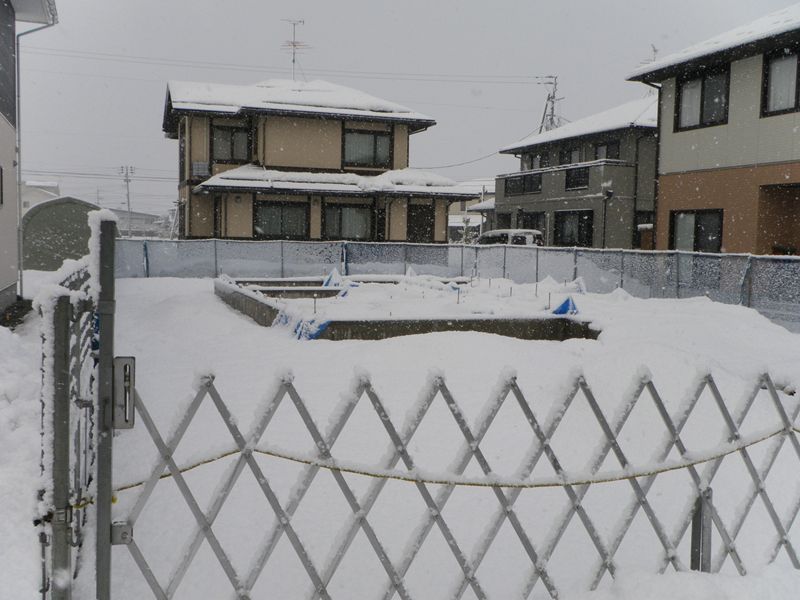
293 44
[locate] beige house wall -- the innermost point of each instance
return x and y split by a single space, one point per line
238 216
8 214
198 145
397 217
315 217
400 146
200 216
747 139
301 143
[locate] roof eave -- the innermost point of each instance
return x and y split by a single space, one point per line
42 12
717 58
583 136
205 188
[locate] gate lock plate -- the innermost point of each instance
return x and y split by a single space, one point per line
122 413
121 533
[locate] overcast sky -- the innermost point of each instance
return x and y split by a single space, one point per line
93 86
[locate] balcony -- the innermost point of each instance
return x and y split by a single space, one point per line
567 181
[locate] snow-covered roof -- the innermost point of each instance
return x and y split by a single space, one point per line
401 182
483 185
745 37
638 113
482 206
35 11
287 97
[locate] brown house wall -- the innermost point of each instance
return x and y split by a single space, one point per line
751 210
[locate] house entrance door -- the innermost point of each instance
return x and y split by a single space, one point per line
420 223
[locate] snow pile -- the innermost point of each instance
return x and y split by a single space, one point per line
401 181
771 25
638 113
283 95
19 460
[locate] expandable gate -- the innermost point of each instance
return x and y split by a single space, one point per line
403 529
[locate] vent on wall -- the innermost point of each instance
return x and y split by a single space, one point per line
200 169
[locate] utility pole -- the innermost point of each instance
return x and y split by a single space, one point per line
550 120
293 45
126 173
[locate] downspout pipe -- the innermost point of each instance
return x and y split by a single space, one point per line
18 125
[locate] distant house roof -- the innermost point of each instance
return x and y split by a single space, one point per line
35 11
483 185
280 96
639 113
485 206
123 214
403 182
742 41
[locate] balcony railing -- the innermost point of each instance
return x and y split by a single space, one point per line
576 177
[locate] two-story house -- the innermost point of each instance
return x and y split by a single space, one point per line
588 183
11 11
304 161
729 147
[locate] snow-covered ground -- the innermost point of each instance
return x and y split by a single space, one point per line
178 330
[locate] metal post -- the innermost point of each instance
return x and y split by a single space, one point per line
746 291
621 269
282 267
105 387
677 274
574 264
504 261
62 510
405 259
146 259
536 272
462 260
216 262
701 533
344 259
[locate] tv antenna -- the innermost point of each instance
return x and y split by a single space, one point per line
293 45
550 120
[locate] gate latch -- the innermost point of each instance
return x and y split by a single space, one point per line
121 533
122 413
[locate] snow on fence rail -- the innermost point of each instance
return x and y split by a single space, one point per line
332 528
770 284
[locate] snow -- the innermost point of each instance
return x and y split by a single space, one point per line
676 339
179 330
482 206
280 95
401 181
773 24
638 113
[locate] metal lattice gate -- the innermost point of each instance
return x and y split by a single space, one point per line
435 490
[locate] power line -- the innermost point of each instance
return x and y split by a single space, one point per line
466 162
483 78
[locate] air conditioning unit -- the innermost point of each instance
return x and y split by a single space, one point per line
200 169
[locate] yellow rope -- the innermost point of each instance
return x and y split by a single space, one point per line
394 476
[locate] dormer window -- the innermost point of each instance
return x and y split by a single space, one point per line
703 101
367 148
230 143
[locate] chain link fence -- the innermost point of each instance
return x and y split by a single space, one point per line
770 284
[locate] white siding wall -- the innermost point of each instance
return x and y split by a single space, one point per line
8 210
747 139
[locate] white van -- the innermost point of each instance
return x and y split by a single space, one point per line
514 237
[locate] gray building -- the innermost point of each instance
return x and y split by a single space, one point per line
12 11
589 183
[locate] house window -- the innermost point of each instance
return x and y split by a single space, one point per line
531 220
280 220
696 230
535 161
569 156
181 151
574 228
503 220
577 179
343 222
523 184
230 144
607 150
703 101
367 148
780 83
